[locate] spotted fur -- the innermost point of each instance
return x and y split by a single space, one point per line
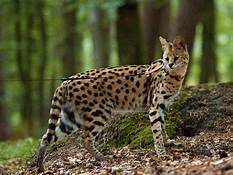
91 99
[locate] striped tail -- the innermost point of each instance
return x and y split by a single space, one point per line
55 110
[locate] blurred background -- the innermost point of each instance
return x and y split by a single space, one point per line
42 41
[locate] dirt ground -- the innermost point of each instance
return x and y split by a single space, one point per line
207 150
206 153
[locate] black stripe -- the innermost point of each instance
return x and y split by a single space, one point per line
64 129
98 123
53 116
56 107
167 96
162 106
70 115
52 126
159 119
49 137
153 113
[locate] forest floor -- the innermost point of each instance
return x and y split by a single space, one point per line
203 143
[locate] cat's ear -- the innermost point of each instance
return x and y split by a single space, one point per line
163 42
179 43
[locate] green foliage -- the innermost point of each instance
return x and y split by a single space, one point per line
20 149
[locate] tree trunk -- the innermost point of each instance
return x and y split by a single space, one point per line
5 129
100 29
25 63
155 23
189 14
69 63
208 61
43 60
129 37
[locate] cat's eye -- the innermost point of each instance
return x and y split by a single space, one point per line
167 59
176 58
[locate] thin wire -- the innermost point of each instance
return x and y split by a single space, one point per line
30 80
56 79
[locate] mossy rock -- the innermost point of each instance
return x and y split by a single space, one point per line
197 108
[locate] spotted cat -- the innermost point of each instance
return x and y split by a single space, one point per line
91 99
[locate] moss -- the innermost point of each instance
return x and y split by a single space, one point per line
56 145
135 130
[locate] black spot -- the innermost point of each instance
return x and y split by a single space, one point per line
155 131
98 123
94 86
77 102
75 90
118 91
94 133
91 104
82 88
85 101
163 92
90 128
109 86
86 84
110 77
84 96
125 97
116 97
86 109
89 92
71 94
119 81
96 94
134 90
97 113
104 117
132 79
87 118
127 77
103 101
131 72
127 91
126 85
137 84
95 101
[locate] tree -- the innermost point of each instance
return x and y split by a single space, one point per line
208 60
43 59
5 129
189 14
70 22
155 23
129 36
100 29
25 61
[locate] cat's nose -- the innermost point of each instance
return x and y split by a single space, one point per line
170 65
